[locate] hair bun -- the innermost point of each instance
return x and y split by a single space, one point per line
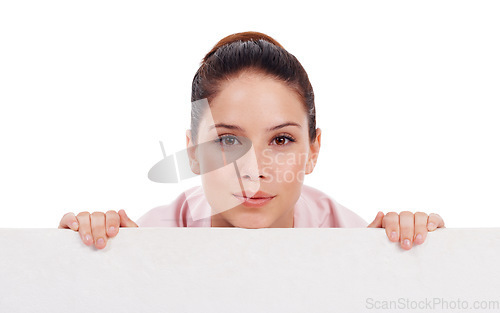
244 36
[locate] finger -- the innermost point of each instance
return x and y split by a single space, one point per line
406 228
434 221
112 223
420 227
391 224
84 228
377 222
69 221
98 224
125 221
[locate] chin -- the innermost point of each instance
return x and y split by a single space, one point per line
253 226
261 223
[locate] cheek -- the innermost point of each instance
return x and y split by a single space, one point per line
219 185
215 169
286 168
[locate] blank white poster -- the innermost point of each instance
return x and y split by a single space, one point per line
249 270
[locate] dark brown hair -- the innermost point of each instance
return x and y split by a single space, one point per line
251 51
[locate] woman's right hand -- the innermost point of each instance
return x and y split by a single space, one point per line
97 227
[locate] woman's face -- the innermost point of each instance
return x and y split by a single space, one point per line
273 119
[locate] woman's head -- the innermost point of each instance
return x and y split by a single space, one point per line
250 51
251 85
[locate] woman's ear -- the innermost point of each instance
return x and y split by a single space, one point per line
313 152
191 151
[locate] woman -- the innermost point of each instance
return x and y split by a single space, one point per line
253 108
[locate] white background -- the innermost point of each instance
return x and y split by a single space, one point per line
407 96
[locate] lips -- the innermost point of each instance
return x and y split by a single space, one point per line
258 200
258 195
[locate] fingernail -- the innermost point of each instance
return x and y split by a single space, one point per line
394 235
406 242
431 226
87 238
100 241
418 239
111 229
74 225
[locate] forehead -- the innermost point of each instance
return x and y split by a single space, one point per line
257 102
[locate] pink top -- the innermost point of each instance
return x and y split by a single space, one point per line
314 208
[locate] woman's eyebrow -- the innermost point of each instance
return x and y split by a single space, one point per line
222 125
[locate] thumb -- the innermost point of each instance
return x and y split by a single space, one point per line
377 222
125 221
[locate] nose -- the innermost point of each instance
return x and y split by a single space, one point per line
252 177
250 165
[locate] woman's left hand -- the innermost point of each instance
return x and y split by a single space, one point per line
406 227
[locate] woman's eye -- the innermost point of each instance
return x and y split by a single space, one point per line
282 140
227 141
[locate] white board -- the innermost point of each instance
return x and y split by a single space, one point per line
247 270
